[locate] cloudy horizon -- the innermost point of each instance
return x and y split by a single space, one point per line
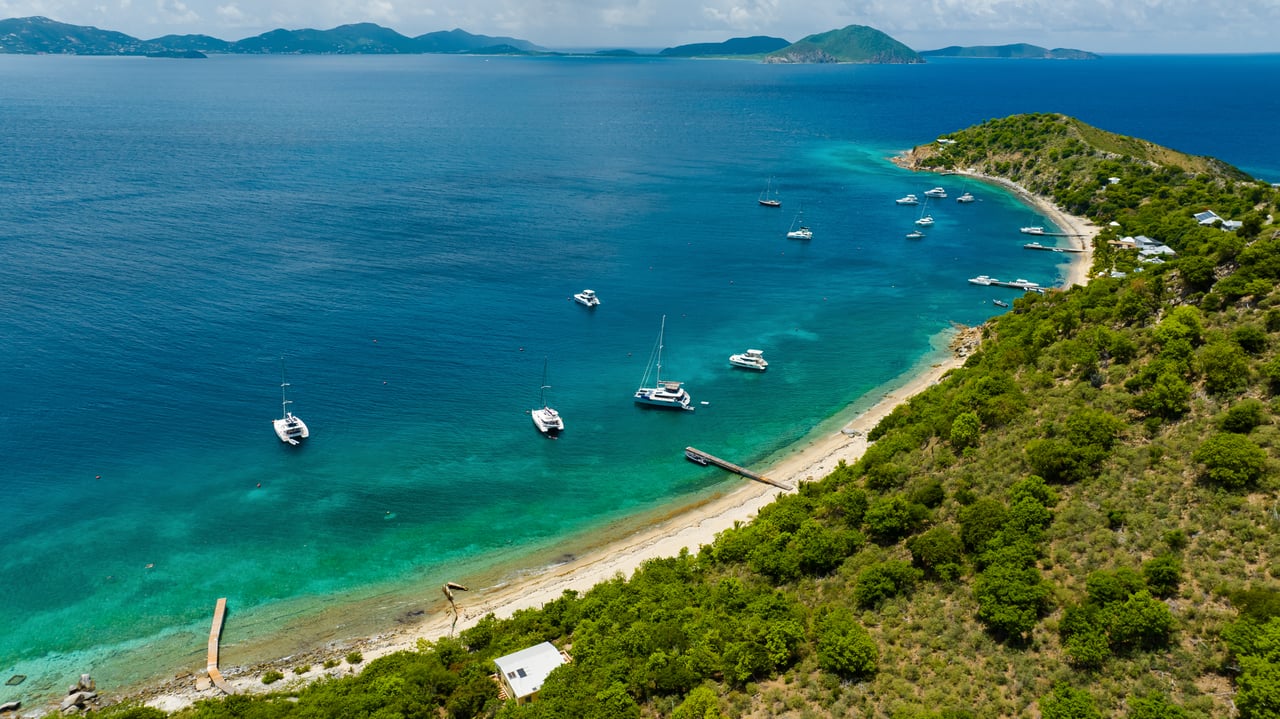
1102 26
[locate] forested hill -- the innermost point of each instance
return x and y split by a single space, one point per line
1079 522
855 43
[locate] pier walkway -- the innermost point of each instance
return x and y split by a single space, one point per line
215 635
696 455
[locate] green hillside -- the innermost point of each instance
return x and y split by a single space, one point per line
855 43
1079 522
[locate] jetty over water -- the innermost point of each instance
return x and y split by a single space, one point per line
1038 246
701 457
215 634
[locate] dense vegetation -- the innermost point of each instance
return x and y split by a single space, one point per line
1079 522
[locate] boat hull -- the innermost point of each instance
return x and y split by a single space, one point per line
290 429
662 398
548 421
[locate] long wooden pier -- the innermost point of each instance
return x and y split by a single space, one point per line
215 635
697 455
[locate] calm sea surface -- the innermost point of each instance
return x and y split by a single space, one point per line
407 231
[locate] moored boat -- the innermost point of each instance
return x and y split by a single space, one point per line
289 428
547 420
982 280
937 192
587 298
999 303
915 235
966 197
1031 230
665 393
751 359
908 200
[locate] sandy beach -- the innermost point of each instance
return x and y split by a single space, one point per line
812 458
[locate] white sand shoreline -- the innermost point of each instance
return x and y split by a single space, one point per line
816 457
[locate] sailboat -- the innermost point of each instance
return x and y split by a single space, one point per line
925 220
664 393
769 198
547 420
289 429
799 230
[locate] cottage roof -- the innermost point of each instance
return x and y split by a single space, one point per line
527 669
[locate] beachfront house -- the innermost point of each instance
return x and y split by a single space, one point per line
521 675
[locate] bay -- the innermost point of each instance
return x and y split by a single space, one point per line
406 232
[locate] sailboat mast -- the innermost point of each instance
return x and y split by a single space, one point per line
542 396
284 403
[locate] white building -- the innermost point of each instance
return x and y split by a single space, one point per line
522 674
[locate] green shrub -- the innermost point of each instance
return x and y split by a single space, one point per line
844 646
354 657
1243 416
1231 460
271 676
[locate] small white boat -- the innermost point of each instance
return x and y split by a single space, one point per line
999 303
695 457
908 200
799 230
915 235
982 280
966 197
1022 284
547 420
1031 230
926 221
664 393
935 192
289 428
587 298
751 359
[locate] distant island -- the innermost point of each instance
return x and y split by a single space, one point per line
1017 51
738 46
855 43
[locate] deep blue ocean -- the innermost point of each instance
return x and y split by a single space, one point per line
407 232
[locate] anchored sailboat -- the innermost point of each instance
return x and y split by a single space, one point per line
289 428
547 420
664 393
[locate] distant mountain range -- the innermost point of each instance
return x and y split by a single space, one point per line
40 35
852 44
1020 51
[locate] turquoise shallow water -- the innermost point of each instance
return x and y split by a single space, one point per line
408 231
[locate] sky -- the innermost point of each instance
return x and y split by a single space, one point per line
1103 26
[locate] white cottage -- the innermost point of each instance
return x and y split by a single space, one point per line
522 674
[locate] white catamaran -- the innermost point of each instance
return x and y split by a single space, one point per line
664 393
547 420
289 428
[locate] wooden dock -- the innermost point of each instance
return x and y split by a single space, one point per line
215 635
1038 246
701 457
